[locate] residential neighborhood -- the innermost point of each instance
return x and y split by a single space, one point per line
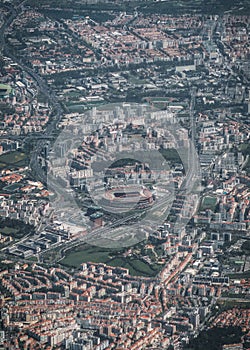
124 175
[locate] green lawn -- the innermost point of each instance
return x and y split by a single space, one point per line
159 99
241 275
159 105
245 149
16 228
12 187
112 257
5 87
247 166
137 81
208 203
73 95
86 253
8 230
76 107
136 267
172 155
33 258
13 159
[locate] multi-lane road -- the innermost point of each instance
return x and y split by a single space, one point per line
108 231
42 86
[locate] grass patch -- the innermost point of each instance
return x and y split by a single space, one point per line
136 267
77 108
208 203
12 187
15 228
86 253
245 149
111 257
228 304
137 81
13 159
5 89
214 338
159 99
241 275
171 155
7 230
159 105
33 258
247 166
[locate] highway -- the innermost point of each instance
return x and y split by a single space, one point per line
13 14
193 163
92 236
43 87
109 231
113 231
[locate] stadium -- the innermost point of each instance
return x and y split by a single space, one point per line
128 197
